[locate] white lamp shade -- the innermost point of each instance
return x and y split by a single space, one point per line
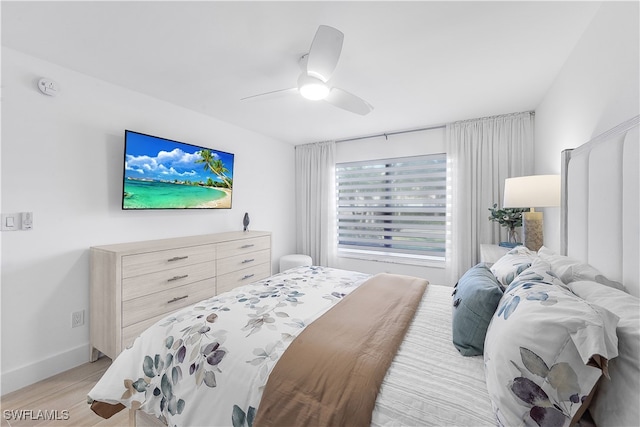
535 191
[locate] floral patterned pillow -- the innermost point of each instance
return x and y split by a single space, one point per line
545 350
512 264
616 402
572 270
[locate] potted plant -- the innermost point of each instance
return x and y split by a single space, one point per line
511 218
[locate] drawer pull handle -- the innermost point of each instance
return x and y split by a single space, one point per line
248 276
177 258
247 246
174 278
248 260
177 299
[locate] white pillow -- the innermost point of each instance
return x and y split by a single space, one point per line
617 401
541 351
512 263
571 270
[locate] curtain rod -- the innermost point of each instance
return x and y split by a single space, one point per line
388 134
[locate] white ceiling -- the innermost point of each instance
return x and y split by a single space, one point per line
419 63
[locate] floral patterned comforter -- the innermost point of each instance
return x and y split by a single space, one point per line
208 364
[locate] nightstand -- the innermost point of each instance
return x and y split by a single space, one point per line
492 253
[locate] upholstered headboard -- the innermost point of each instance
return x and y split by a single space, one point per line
600 204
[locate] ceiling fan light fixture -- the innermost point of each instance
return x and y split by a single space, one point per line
312 88
317 68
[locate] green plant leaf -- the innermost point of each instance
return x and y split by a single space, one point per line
534 363
251 415
195 353
176 374
177 344
165 386
563 378
210 379
140 385
172 405
237 416
199 375
147 367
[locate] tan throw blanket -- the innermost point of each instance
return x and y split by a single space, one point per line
331 373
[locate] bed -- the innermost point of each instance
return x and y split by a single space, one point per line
534 339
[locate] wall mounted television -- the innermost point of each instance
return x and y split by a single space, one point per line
163 174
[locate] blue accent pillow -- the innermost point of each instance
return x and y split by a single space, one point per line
475 300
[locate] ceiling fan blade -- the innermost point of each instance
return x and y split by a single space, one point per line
324 52
273 92
347 101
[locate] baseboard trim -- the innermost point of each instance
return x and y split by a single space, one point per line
43 369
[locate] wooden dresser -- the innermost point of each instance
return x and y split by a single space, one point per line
133 285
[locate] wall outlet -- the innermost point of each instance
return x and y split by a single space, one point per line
77 318
27 220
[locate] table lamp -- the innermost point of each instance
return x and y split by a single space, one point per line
535 191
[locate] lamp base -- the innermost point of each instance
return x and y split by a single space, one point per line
509 244
532 229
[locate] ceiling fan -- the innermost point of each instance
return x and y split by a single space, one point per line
317 68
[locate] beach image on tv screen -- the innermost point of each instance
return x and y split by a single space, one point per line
164 174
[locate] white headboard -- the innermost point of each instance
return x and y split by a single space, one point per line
600 204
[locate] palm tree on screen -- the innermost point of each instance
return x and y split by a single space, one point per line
214 165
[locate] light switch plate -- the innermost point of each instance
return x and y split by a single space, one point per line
11 222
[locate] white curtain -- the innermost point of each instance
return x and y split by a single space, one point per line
482 153
315 201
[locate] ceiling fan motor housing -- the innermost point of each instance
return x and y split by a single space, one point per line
312 88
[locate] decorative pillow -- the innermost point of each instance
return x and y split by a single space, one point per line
570 269
512 263
475 299
545 350
616 401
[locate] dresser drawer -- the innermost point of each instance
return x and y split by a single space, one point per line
242 261
130 333
239 247
151 262
229 281
139 309
137 286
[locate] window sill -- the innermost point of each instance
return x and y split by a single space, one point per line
394 260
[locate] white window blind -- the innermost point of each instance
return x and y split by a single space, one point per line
393 207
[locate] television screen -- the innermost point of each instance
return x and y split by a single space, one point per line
163 174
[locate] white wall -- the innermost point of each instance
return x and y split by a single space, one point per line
62 160
401 145
597 88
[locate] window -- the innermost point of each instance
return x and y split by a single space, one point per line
392 208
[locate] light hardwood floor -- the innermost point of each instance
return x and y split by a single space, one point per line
63 392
